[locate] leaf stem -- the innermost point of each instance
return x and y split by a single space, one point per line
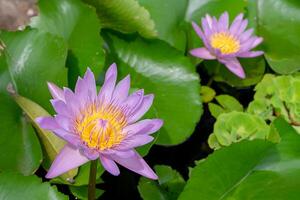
92 180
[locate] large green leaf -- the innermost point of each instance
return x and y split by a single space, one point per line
169 25
35 57
51 143
163 71
19 145
78 24
250 170
169 186
278 22
126 16
14 186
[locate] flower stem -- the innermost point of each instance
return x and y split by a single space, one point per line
92 180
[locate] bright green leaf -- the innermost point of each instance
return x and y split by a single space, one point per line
169 76
227 104
207 94
169 25
14 186
78 24
35 57
282 44
19 145
127 16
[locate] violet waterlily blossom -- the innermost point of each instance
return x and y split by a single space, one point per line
101 126
225 43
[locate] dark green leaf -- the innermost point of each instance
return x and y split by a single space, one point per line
126 16
170 185
169 76
14 186
169 25
19 145
78 24
35 54
278 22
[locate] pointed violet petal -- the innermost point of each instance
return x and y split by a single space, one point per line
202 53
141 109
246 35
121 90
108 87
242 27
133 101
256 42
214 26
124 154
137 164
90 84
82 92
72 102
250 43
223 22
63 122
250 54
48 123
68 158
200 34
206 27
134 141
198 30
109 165
146 126
67 136
59 106
111 71
236 24
209 20
234 66
91 154
55 91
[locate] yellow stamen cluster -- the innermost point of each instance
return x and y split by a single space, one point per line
101 128
225 42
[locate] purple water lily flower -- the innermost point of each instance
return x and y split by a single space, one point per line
226 43
103 125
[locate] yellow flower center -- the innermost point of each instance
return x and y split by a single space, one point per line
225 42
101 128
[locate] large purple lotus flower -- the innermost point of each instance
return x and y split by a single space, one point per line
103 125
226 43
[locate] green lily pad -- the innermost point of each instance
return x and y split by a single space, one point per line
169 76
14 186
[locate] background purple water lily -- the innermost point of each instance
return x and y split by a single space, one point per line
101 126
225 43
